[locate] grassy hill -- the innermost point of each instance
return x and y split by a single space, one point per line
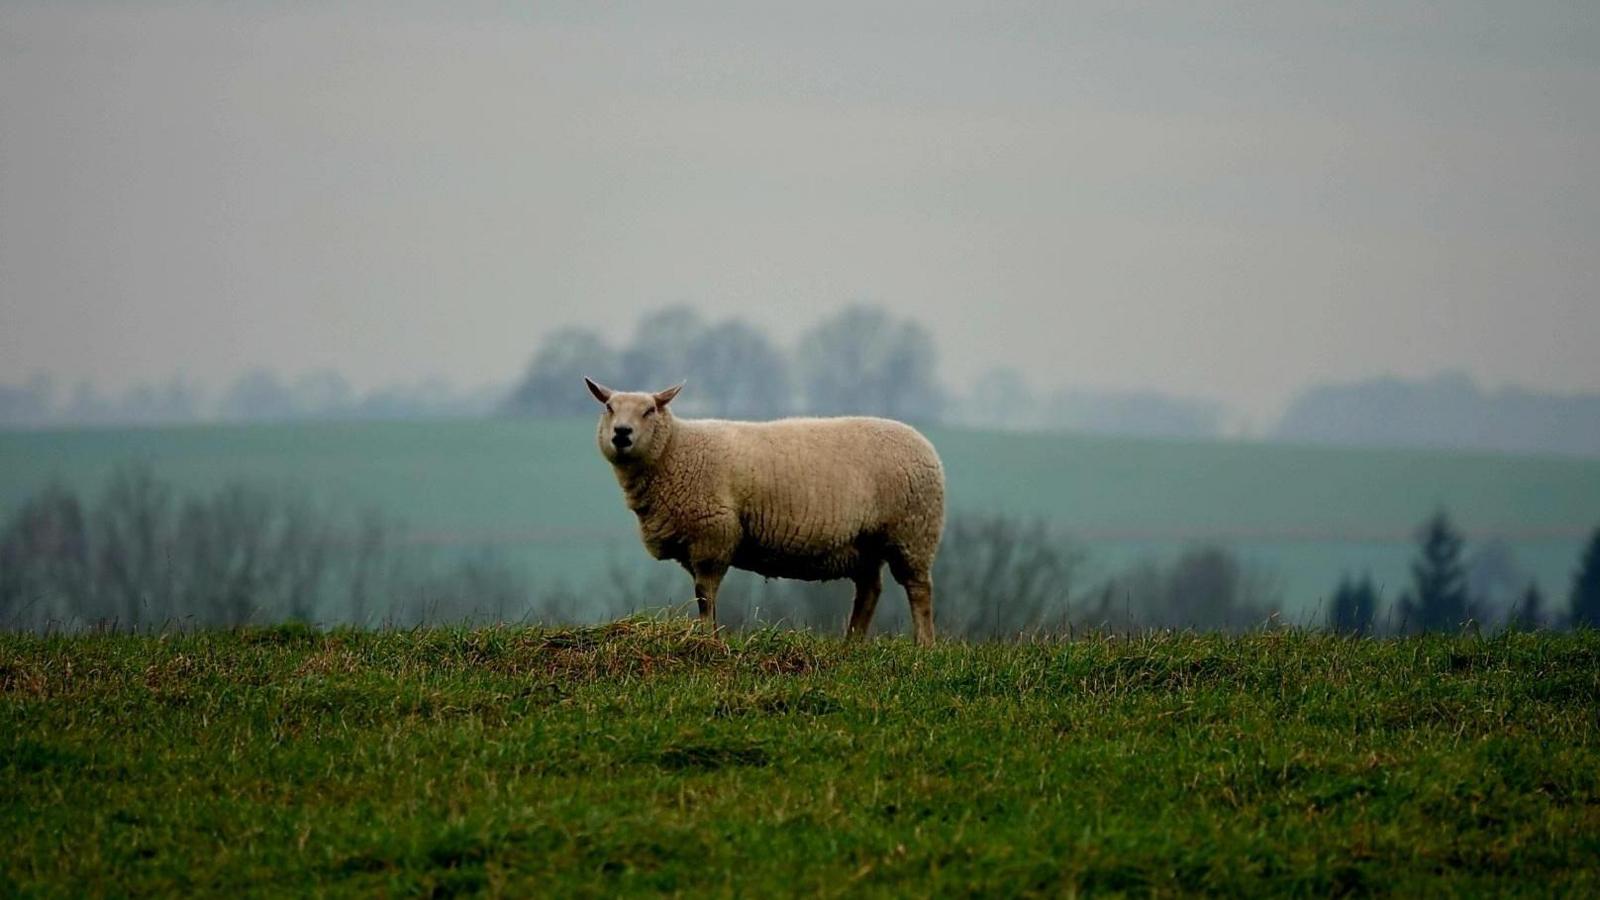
645 756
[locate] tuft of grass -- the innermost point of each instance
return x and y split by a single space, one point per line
648 756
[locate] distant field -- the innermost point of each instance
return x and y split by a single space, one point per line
644 756
539 491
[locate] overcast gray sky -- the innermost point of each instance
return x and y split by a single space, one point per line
1230 200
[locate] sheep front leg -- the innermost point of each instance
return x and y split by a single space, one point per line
707 580
868 588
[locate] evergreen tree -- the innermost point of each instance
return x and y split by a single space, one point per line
1586 587
1438 598
1528 613
1354 606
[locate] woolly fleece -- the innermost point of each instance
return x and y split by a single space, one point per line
812 499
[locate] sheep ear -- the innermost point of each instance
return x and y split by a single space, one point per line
600 391
665 397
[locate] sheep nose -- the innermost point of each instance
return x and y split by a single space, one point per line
623 430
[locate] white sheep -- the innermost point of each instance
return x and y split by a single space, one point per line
813 499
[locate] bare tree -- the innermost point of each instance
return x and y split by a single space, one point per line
1207 587
44 557
1005 576
133 526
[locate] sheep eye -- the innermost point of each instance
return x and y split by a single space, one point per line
647 412
609 409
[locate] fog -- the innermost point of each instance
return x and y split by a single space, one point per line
1208 199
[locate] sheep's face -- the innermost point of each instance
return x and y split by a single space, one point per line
634 426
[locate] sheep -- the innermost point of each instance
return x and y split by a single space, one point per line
810 499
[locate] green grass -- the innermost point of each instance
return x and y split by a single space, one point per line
644 756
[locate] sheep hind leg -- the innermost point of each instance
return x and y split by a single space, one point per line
918 582
707 581
869 586
919 593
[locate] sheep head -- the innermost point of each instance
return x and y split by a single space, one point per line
634 426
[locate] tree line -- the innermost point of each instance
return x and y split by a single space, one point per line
1440 597
860 360
257 395
143 554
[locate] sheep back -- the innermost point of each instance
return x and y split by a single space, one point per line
812 499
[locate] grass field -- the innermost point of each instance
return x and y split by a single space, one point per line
644 756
